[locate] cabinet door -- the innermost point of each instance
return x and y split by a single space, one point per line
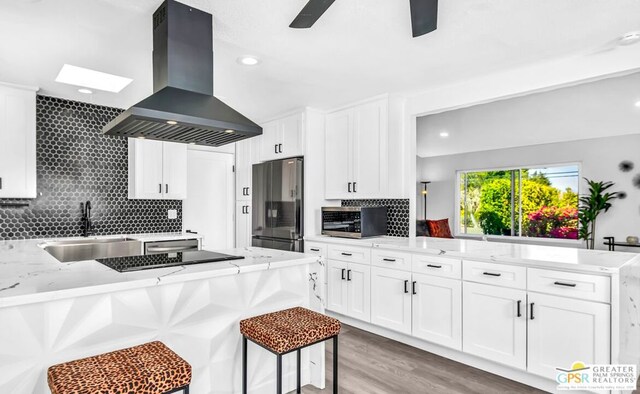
370 167
564 330
243 224
174 171
291 134
271 136
437 310
145 169
17 143
243 170
391 299
338 174
492 328
359 291
337 286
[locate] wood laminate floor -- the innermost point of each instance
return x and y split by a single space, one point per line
374 365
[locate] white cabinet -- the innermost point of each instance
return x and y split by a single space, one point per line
563 330
17 142
349 289
282 138
157 170
357 152
246 155
391 299
243 224
437 310
494 323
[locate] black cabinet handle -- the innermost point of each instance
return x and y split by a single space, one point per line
346 254
531 313
349 187
275 148
160 188
564 284
343 272
389 260
519 313
406 284
413 287
166 188
0 183
434 266
491 274
279 148
348 275
248 190
314 250
354 187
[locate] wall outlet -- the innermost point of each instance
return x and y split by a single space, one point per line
172 213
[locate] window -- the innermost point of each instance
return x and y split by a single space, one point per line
540 202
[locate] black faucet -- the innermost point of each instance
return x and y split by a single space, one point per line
87 226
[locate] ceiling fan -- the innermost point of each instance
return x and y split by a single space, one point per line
424 15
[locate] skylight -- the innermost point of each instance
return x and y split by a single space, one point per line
87 78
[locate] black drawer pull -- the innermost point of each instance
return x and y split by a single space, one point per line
519 313
390 260
564 284
491 274
406 285
531 313
434 266
349 187
343 272
346 254
314 250
413 288
349 275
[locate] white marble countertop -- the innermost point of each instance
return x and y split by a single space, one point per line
28 274
553 257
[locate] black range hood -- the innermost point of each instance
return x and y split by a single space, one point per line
182 107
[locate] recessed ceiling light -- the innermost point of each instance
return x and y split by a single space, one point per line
629 38
638 103
248 60
85 91
79 76
172 122
229 131
444 134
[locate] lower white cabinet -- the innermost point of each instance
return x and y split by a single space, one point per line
349 289
243 224
437 310
391 299
495 323
563 330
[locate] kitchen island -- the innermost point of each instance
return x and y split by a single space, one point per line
53 312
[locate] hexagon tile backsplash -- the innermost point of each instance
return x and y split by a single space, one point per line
76 163
397 213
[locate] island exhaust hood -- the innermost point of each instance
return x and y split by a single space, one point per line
182 107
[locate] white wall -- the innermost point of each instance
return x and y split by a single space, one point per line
599 159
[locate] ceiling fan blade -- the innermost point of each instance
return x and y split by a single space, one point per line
424 16
310 13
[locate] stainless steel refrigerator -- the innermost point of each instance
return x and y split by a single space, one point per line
277 219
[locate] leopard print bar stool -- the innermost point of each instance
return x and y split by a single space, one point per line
287 331
151 368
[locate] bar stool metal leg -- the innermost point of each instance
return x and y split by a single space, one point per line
244 364
279 375
298 372
335 364
186 390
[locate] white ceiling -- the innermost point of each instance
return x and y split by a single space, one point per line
604 108
359 48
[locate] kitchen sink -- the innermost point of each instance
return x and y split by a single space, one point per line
90 249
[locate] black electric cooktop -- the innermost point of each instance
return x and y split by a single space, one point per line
163 260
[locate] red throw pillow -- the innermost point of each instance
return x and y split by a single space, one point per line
439 228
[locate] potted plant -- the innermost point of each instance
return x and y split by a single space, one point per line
592 204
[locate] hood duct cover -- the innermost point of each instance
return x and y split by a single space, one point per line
182 107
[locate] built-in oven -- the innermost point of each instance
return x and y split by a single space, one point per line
354 222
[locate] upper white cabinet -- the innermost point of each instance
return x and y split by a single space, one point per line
17 142
361 161
247 154
157 170
282 138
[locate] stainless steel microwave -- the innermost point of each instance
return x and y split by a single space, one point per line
354 222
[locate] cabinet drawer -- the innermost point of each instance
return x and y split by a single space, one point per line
570 284
495 274
352 254
315 248
391 259
435 265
